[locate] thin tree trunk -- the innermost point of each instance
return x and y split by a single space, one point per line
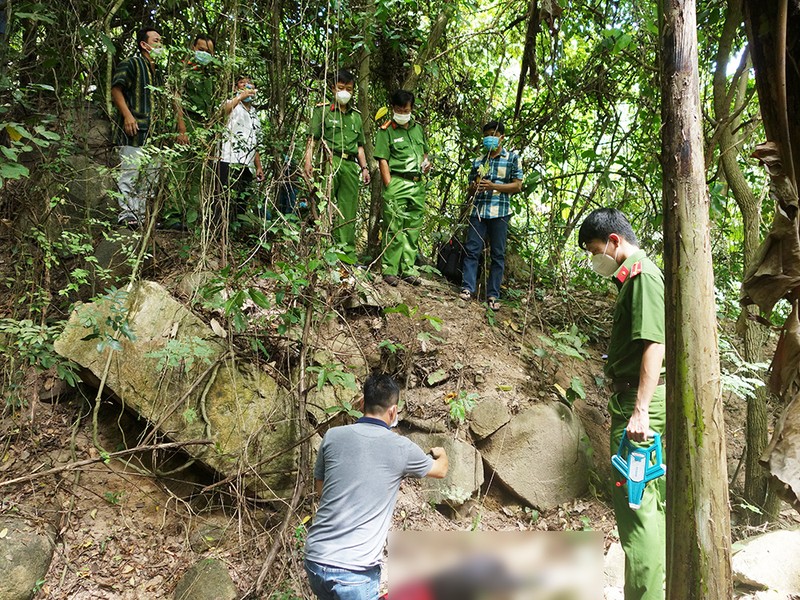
435 36
698 521
756 485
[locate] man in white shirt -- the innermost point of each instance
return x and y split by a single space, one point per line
239 156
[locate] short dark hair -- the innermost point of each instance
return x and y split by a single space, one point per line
243 76
603 222
141 36
344 76
402 97
380 393
495 126
203 37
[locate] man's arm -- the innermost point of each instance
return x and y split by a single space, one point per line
181 123
504 188
440 463
259 169
362 162
129 123
308 159
386 174
649 373
425 165
229 105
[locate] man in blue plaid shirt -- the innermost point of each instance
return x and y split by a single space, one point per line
494 177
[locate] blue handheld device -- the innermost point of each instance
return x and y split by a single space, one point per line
638 466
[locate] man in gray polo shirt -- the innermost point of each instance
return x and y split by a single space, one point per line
358 473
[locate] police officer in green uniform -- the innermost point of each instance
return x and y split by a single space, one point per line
338 129
402 153
635 371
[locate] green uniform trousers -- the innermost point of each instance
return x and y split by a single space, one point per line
403 208
344 195
642 532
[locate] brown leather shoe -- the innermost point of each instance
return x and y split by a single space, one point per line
392 280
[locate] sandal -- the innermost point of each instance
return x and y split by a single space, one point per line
493 303
465 294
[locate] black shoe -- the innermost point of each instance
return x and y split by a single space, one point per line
392 280
412 280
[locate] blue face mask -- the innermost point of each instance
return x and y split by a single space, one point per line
201 57
491 142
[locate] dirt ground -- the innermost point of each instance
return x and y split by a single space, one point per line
125 533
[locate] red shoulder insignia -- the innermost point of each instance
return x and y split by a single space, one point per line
622 274
333 107
636 268
389 122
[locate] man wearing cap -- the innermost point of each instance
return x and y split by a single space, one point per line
402 153
337 128
635 371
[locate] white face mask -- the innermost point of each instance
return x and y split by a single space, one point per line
603 264
401 119
156 51
343 97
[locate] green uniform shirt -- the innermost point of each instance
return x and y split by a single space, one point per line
198 97
135 77
404 149
342 131
638 315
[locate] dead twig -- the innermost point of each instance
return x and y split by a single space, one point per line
102 458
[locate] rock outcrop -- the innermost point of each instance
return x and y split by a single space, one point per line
206 580
25 556
465 473
540 455
769 562
178 374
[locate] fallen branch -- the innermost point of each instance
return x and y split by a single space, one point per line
102 458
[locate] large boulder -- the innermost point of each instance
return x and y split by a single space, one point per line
597 426
488 416
540 455
333 348
180 376
465 473
25 556
88 187
206 580
769 562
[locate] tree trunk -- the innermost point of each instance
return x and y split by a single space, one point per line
756 486
698 521
435 36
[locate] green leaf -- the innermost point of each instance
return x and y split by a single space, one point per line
259 298
45 18
576 387
107 43
13 171
437 377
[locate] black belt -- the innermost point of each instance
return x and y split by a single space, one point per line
407 176
346 156
623 385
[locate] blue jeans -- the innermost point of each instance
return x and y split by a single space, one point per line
335 583
497 232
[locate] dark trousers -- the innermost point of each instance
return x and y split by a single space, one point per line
496 230
234 191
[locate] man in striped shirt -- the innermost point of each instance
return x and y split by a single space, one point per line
494 177
131 92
